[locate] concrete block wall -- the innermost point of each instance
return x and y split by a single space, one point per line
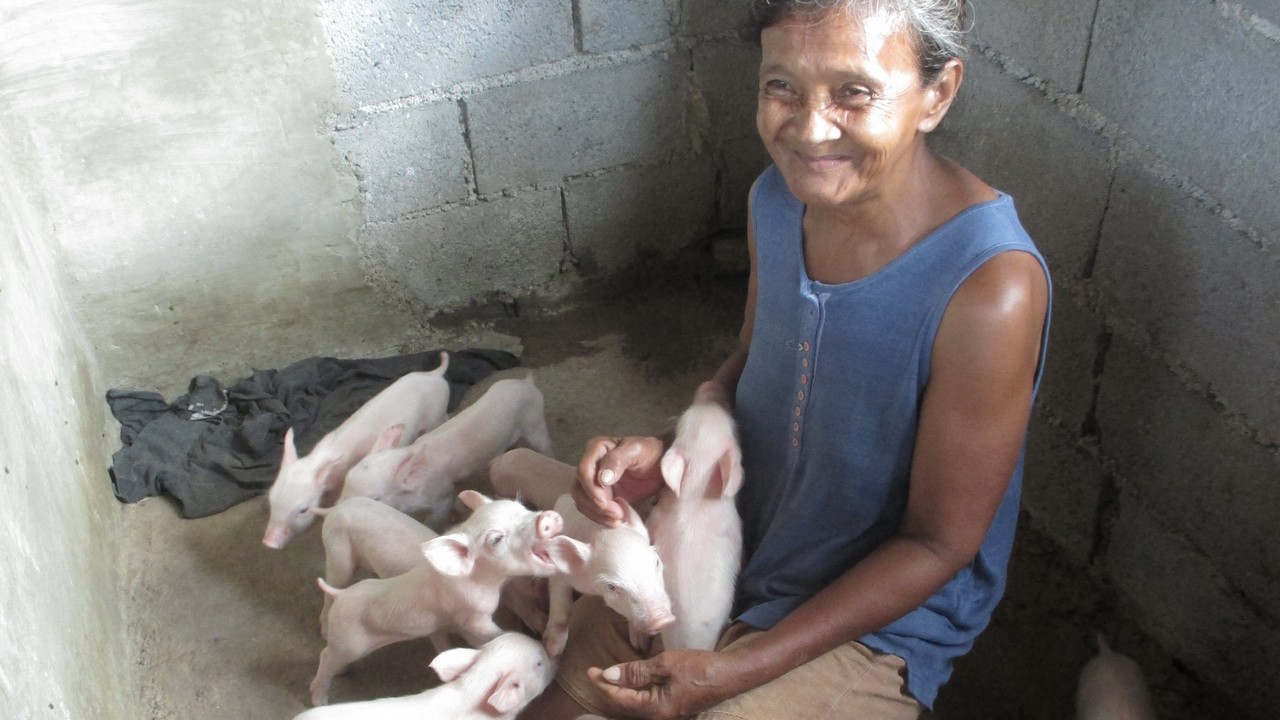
1140 140
507 147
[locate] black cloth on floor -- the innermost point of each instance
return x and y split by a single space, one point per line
212 448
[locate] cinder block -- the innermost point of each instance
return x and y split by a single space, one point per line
1061 486
1067 387
654 209
388 49
1173 449
545 130
409 159
1190 83
470 252
1205 293
742 161
728 75
713 16
617 24
1057 171
1047 37
1190 609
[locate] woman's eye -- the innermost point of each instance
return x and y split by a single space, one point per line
779 89
853 96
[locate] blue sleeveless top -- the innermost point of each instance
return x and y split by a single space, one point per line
827 409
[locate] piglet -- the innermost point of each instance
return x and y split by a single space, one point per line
1112 688
457 588
696 527
617 564
363 534
413 404
422 476
494 682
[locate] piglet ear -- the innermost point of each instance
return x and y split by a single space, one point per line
290 450
389 438
506 695
473 499
450 554
407 472
451 664
567 554
729 475
326 477
631 518
673 465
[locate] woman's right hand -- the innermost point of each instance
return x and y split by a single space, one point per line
627 468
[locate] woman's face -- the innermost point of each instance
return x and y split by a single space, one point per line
841 105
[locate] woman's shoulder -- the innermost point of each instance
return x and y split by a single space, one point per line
959 188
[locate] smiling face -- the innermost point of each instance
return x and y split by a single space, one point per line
842 109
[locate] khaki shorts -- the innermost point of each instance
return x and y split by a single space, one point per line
850 682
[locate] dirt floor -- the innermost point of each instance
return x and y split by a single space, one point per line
226 628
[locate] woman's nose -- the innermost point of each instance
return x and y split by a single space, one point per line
815 127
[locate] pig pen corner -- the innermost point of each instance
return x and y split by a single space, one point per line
215 191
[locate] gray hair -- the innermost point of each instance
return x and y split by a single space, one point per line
939 26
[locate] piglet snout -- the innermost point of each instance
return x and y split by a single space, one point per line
274 539
656 622
549 524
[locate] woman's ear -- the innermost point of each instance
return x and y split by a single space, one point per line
940 93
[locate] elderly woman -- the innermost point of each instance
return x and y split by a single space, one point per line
893 339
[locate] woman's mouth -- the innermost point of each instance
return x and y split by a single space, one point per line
824 162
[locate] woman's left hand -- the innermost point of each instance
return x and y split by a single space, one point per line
671 685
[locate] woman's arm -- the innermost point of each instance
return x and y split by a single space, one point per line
972 425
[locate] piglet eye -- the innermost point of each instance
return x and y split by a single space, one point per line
496 539
611 587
